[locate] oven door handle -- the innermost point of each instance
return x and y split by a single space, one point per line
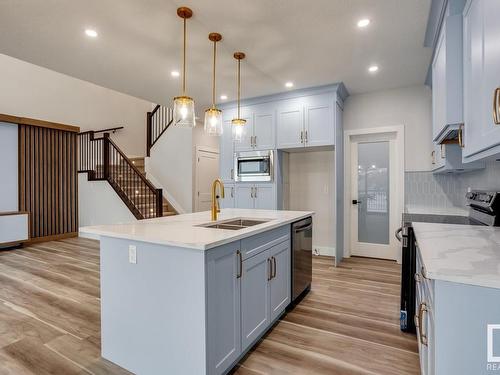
303 228
397 234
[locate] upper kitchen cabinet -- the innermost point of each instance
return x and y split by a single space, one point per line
481 79
259 129
447 80
307 121
226 149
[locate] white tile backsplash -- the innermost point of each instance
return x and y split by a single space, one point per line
448 190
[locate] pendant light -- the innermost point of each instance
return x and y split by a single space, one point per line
184 105
238 124
213 115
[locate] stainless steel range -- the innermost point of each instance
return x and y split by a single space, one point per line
484 209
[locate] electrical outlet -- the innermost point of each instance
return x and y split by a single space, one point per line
132 254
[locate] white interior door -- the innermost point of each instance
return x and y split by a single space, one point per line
374 196
207 170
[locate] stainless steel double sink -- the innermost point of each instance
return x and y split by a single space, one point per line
234 224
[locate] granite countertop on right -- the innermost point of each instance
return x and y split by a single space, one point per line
466 254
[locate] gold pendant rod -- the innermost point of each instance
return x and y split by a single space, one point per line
184 62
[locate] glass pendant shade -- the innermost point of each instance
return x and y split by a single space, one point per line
184 112
213 122
239 129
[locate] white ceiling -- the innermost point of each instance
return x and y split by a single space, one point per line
311 43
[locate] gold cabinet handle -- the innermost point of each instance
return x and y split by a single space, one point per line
274 267
433 157
461 135
301 136
443 155
307 140
418 323
254 141
240 259
269 269
496 106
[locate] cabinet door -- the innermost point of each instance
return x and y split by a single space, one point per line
290 125
246 141
224 308
279 285
319 121
438 156
491 73
439 86
264 125
229 194
244 196
254 298
226 160
265 198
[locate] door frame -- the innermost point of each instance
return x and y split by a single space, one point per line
208 149
395 220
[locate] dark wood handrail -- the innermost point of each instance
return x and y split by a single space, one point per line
103 130
130 164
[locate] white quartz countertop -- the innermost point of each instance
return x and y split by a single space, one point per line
415 209
466 254
183 230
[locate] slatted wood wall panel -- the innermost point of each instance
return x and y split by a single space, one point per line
48 185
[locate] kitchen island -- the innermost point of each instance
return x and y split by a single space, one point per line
180 295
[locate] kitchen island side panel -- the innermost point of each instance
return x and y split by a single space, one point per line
153 312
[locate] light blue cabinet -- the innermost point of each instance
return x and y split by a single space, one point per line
306 122
447 80
447 158
223 307
226 149
229 197
481 78
258 196
259 129
280 283
255 310
245 295
290 124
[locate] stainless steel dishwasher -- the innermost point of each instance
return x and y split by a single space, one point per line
301 257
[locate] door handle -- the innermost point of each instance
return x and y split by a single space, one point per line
240 259
274 263
355 201
398 231
496 106
269 269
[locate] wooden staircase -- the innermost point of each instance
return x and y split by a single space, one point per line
102 160
168 210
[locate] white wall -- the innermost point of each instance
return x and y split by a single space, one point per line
409 106
32 91
99 204
311 187
8 167
170 167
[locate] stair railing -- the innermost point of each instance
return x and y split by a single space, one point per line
102 159
157 122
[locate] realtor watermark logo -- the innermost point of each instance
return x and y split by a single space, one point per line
493 360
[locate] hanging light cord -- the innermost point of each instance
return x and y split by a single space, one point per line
184 62
213 76
239 62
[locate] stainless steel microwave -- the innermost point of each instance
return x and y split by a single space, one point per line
253 166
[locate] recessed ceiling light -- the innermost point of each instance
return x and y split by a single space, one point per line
373 68
175 73
90 32
289 84
363 22
223 97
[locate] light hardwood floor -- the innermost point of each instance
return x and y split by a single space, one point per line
348 324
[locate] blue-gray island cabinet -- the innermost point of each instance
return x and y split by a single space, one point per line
181 310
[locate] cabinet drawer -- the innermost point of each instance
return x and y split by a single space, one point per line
256 244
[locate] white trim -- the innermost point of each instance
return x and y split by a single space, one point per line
166 194
400 168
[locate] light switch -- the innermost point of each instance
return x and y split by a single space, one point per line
132 254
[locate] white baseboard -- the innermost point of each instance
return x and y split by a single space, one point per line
324 250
